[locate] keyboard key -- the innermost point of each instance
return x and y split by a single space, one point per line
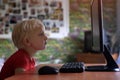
72 67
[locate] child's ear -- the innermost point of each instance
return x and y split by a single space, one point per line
26 41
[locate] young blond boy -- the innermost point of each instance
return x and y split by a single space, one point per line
29 37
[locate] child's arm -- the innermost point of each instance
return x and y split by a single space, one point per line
19 70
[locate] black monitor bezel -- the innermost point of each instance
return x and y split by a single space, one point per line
110 64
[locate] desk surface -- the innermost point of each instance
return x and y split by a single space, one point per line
32 75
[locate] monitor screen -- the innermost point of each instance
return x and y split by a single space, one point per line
97 26
99 38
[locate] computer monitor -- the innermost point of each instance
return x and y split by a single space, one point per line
99 38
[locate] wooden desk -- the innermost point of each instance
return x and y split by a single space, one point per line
68 76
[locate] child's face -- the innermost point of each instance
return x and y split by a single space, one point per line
38 39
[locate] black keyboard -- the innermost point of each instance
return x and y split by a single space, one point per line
72 67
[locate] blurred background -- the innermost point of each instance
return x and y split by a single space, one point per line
66 39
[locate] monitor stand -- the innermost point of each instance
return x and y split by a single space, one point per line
111 65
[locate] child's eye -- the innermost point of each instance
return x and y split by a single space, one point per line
41 34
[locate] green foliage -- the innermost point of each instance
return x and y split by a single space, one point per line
63 49
6 47
60 49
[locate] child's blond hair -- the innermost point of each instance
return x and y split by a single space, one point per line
23 29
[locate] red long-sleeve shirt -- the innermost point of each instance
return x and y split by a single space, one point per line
20 59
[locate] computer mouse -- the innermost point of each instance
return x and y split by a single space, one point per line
47 70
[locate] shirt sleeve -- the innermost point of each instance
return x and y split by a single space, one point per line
21 62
